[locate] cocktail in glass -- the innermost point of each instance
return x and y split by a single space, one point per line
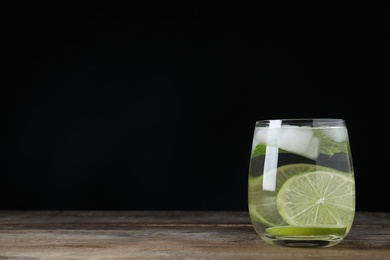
301 188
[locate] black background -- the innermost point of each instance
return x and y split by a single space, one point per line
152 105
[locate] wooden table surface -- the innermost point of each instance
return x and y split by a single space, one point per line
170 235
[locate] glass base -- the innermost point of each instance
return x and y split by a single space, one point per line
303 241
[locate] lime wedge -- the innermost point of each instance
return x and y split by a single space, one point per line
306 231
262 204
318 198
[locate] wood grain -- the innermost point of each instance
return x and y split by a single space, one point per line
169 235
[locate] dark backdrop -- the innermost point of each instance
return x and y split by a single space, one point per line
152 106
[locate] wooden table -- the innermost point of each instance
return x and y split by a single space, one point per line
169 235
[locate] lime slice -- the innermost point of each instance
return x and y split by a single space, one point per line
318 198
262 204
306 231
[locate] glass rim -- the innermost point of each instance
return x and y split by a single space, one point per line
304 121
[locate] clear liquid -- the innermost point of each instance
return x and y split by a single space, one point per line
333 155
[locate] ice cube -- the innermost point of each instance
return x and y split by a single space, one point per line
264 136
336 134
294 139
314 148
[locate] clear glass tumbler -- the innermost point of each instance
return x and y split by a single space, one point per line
301 186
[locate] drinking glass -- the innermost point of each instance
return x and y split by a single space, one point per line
301 186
